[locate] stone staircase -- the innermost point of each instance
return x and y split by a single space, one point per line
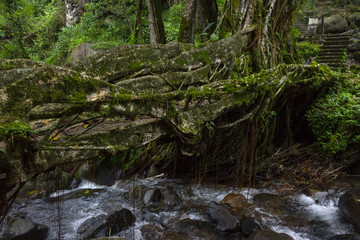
300 25
333 50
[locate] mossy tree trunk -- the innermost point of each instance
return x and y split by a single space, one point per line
188 20
157 31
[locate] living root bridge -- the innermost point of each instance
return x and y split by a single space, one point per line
56 116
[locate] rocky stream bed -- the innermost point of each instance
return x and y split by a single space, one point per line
160 208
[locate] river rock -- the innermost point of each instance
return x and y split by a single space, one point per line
269 235
136 192
21 229
345 237
349 205
222 217
235 200
277 204
152 171
113 223
152 196
335 24
151 232
89 222
195 229
249 225
110 238
171 198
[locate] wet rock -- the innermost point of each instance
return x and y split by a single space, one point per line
171 198
89 222
224 220
269 235
195 229
310 191
137 192
249 225
152 171
113 223
151 232
349 205
345 237
152 196
277 204
75 183
235 200
22 229
110 238
335 24
184 216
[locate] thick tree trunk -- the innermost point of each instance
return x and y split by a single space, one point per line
207 12
137 27
157 32
188 20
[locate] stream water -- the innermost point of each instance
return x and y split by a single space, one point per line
300 216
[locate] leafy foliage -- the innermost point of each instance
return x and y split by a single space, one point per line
307 50
335 119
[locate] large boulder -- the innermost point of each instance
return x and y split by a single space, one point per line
222 217
21 229
82 51
108 225
335 24
235 200
349 205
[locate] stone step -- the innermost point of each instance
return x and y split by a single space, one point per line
338 37
332 60
330 57
342 47
337 42
330 53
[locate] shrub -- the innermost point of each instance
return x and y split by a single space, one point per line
335 119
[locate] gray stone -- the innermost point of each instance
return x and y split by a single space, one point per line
269 235
113 223
89 222
223 218
152 171
151 232
82 51
152 196
335 24
349 205
21 229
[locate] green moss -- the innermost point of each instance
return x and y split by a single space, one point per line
202 55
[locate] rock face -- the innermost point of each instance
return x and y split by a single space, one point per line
81 51
108 225
222 217
350 208
335 24
22 229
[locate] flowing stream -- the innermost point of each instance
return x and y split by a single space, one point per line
299 216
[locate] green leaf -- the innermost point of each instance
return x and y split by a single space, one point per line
214 37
